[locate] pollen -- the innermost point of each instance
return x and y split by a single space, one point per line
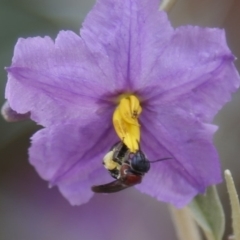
125 121
108 161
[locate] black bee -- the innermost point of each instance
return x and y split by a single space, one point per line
126 167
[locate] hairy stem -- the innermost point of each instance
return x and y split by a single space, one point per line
167 5
185 225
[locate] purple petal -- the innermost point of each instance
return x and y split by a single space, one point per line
183 53
198 76
204 100
67 154
77 190
60 81
132 33
194 164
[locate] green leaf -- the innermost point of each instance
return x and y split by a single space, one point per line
234 204
208 212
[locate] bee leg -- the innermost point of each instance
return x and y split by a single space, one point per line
120 152
114 173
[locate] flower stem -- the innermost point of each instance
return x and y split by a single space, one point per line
234 204
167 5
185 225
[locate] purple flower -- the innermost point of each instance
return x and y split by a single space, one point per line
72 86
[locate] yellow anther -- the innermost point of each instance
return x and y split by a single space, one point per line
126 111
130 109
125 121
135 106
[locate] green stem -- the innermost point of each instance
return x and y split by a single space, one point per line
185 225
167 5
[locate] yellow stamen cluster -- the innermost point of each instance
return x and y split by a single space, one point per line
125 121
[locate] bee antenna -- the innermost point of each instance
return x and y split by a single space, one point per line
159 160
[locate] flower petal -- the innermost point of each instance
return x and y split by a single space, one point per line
198 75
67 154
132 33
194 164
78 190
60 81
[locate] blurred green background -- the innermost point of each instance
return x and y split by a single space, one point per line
28 209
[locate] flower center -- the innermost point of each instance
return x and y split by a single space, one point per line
125 121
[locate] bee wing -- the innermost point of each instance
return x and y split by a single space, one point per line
111 187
